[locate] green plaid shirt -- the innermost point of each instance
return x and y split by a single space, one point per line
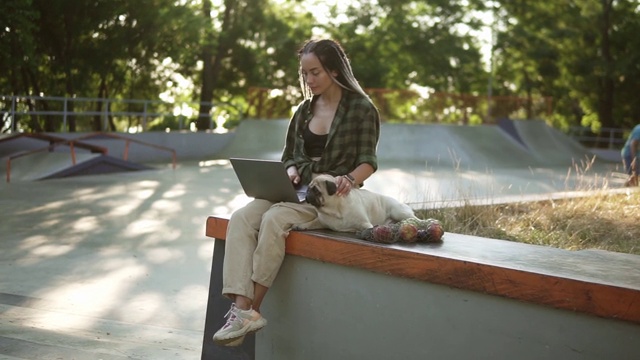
353 138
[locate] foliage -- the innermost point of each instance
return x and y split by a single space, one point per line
96 48
569 62
581 53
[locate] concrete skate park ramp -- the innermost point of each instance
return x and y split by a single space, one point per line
452 146
25 158
516 144
259 139
50 165
512 144
546 144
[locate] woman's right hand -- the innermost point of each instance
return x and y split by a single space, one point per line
292 171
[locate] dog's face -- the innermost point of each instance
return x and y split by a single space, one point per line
320 190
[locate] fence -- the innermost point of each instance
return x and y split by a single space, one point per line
125 115
61 114
607 138
400 105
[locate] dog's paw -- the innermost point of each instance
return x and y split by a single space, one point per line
310 225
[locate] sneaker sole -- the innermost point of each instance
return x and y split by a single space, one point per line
233 341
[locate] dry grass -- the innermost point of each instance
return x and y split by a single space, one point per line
603 221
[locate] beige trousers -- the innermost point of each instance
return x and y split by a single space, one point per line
255 244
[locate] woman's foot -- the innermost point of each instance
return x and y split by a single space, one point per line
239 323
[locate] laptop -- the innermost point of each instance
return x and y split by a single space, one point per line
268 180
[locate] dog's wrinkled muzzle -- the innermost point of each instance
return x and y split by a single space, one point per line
314 197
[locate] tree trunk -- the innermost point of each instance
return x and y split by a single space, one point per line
211 72
97 119
206 91
71 119
29 78
605 110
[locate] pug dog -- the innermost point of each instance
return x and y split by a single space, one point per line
359 210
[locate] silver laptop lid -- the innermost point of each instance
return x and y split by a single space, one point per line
267 179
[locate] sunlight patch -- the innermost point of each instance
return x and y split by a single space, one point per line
87 223
51 206
91 296
164 205
187 298
163 255
176 191
52 250
234 204
142 227
142 307
125 209
33 241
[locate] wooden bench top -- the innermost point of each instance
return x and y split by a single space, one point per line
600 283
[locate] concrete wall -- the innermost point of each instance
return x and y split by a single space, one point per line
323 311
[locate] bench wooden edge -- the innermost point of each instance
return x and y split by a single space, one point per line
593 298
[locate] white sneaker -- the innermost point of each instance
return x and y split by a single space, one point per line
239 323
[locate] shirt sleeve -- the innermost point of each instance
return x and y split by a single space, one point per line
288 154
368 136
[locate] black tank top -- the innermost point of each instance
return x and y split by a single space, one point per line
314 144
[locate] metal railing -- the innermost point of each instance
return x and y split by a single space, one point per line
78 143
607 138
88 110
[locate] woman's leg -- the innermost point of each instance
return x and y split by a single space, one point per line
269 254
266 257
259 292
240 245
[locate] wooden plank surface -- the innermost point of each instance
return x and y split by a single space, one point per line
603 284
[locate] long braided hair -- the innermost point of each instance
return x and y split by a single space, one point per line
333 59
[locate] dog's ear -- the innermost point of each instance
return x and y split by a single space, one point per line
331 187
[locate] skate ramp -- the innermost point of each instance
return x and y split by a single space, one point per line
41 165
13 143
50 165
529 144
548 145
259 139
451 146
447 146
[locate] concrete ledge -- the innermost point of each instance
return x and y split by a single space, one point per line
338 297
597 283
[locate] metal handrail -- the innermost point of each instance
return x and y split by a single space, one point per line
147 111
49 147
76 142
128 140
611 138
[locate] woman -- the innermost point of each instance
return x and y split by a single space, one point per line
335 130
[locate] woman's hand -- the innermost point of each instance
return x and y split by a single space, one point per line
345 184
292 171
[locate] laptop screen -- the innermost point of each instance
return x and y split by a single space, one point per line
267 179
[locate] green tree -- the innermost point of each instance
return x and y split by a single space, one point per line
104 48
17 50
249 43
396 44
583 53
